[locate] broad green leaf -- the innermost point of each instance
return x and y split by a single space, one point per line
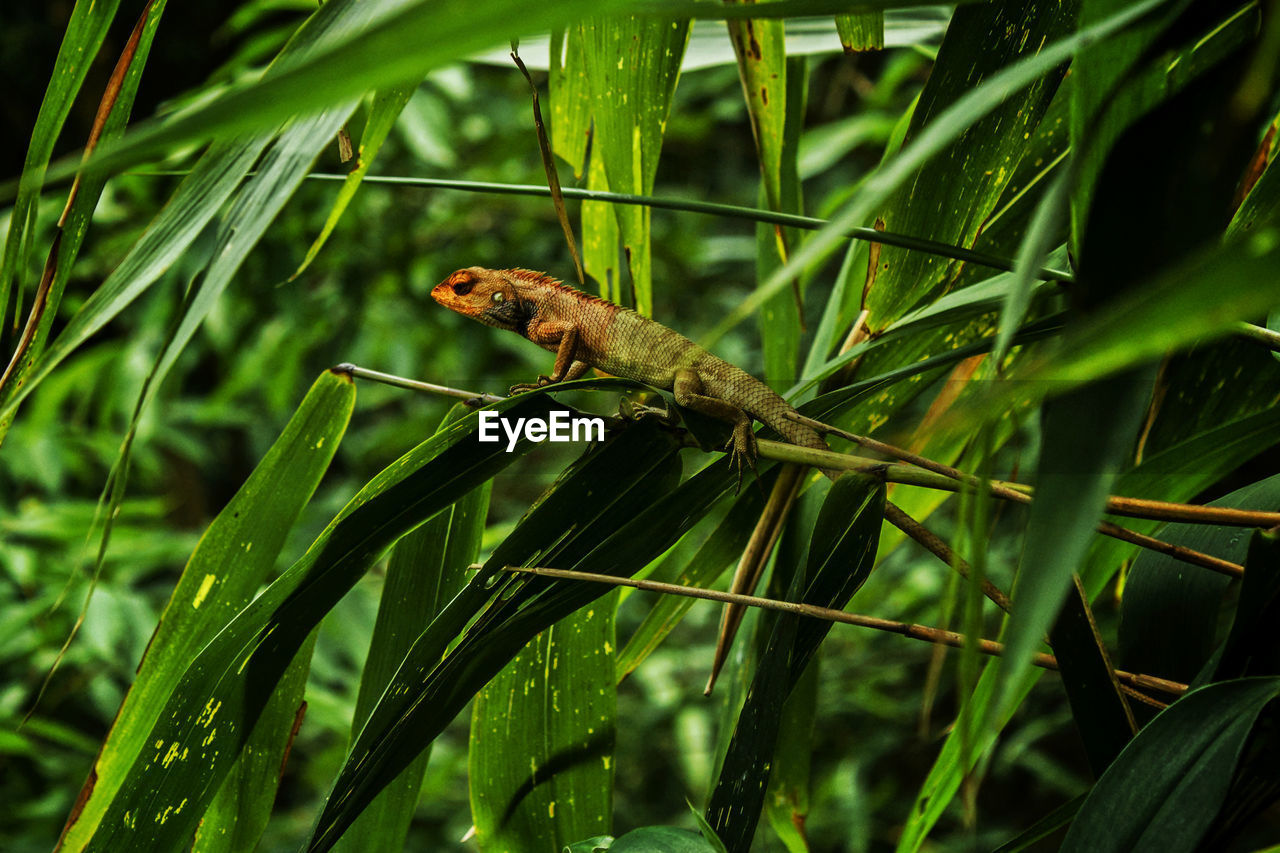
950 197
861 31
201 728
570 97
632 64
239 813
1262 204
1177 474
661 839
1248 649
542 738
781 318
1170 610
1089 435
774 89
600 236
496 614
86 29
1122 79
839 561
1165 789
933 137
384 109
248 533
426 569
787 801
1041 236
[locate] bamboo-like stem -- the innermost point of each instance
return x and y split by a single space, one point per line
1264 336
930 479
1116 504
357 372
906 629
729 211
895 515
1178 552
911 476
935 476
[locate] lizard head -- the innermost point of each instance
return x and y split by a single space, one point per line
486 295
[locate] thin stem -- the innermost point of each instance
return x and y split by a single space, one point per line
934 476
906 629
469 397
1020 493
1267 337
729 211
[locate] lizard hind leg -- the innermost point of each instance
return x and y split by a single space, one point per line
742 447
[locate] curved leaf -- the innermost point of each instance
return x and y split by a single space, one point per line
1164 791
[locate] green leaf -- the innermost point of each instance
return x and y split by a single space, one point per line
1169 613
1165 789
1088 437
250 532
933 137
600 236
839 560
661 839
787 801
1249 649
74 222
427 568
1121 80
860 31
632 64
542 738
239 813
1101 712
625 489
700 569
570 97
392 52
950 197
203 725
1262 205
200 198
86 29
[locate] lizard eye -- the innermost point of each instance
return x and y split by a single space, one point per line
497 297
462 288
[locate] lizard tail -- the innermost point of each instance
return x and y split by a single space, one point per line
774 416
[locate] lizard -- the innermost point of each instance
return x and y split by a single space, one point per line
586 331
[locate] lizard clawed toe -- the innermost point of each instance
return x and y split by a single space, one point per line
543 381
743 450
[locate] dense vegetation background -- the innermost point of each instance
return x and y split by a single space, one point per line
879 706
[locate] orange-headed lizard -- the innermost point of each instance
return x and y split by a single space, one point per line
586 331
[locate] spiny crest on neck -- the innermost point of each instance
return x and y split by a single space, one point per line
543 280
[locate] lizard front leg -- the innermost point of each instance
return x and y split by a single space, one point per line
567 367
689 392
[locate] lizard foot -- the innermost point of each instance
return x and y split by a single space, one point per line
743 450
543 381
